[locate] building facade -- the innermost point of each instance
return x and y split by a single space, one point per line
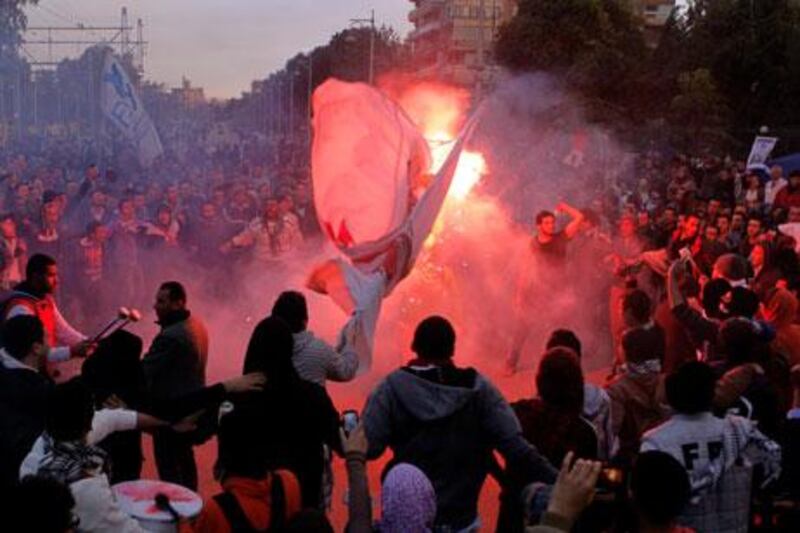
452 40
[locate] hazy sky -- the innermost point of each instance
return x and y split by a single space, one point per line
221 45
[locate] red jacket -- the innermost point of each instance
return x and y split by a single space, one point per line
43 309
787 198
253 496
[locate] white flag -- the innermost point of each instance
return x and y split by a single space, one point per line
762 148
367 158
122 106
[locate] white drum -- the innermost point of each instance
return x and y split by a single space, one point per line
138 499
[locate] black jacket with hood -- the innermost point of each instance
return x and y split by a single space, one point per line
448 421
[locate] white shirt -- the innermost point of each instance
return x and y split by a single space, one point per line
771 189
104 423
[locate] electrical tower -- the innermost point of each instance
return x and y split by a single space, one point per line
45 46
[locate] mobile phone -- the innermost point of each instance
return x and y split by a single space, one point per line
349 421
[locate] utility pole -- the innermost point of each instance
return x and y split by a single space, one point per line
291 102
123 30
309 103
371 22
140 47
481 45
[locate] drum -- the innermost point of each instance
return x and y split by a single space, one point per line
137 499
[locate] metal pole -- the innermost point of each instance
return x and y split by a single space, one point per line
372 49
291 103
481 45
309 103
35 85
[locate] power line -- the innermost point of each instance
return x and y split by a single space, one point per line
55 13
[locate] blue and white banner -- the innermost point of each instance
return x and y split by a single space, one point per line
122 106
762 148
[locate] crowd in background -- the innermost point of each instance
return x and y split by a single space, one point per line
206 212
696 427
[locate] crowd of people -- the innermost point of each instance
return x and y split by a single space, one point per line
207 213
696 427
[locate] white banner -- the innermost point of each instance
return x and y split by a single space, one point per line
762 148
122 106
367 155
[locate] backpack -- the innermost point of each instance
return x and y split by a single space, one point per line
279 509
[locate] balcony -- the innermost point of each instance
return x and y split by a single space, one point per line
424 9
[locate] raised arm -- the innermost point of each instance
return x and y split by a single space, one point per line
577 218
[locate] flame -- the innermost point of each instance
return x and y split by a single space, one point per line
471 168
471 165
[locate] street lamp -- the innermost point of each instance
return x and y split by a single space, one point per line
371 22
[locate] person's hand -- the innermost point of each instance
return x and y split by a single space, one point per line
356 442
188 424
83 349
574 488
114 402
561 207
248 383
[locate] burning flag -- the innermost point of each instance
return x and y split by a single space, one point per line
368 160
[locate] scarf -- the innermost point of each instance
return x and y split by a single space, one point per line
72 461
645 368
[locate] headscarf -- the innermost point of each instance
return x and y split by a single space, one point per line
270 351
408 501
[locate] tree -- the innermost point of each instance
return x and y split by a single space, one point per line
12 23
596 45
751 49
699 112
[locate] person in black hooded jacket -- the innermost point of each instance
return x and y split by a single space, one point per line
291 418
447 421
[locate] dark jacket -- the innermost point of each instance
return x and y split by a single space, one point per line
292 422
638 403
176 362
447 422
555 432
23 406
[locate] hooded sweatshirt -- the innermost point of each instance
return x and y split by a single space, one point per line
447 421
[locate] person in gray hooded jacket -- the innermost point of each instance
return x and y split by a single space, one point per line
447 421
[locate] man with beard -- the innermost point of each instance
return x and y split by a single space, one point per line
174 366
549 250
34 297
